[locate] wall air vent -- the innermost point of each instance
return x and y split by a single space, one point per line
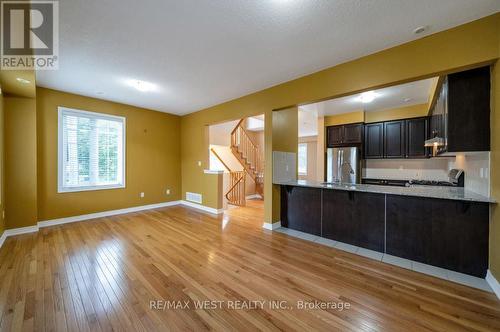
193 197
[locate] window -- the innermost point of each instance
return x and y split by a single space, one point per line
302 156
91 151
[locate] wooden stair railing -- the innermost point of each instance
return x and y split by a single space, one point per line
236 193
249 155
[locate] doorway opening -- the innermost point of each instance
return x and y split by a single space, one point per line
237 148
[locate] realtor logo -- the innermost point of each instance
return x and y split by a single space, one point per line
30 35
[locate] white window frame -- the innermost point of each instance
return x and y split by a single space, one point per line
60 150
307 152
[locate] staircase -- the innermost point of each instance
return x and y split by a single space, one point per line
236 193
249 156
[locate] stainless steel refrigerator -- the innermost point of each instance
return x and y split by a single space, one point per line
343 165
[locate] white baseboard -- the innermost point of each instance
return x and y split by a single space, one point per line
254 196
20 230
60 221
494 284
2 239
202 207
17 231
272 226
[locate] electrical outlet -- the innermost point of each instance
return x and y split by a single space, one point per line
141 195
168 191
199 163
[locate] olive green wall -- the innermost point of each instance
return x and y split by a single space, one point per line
152 158
285 138
20 162
344 118
463 47
413 111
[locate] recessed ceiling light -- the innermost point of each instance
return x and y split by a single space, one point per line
22 80
142 86
420 29
367 97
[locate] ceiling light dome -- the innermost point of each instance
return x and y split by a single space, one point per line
367 97
142 86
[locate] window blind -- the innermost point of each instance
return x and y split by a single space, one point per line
91 150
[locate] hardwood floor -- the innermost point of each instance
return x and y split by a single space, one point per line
103 274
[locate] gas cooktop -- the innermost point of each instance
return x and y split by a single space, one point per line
432 183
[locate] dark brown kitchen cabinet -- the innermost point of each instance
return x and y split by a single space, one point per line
450 234
394 139
417 132
468 111
445 233
374 140
353 133
397 139
355 218
301 209
350 134
461 114
334 135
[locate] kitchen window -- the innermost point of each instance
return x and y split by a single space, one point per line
91 151
302 158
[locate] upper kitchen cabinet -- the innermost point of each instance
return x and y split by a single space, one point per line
353 133
350 134
469 110
417 131
334 135
374 140
395 139
460 119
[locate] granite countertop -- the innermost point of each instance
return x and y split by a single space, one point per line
453 193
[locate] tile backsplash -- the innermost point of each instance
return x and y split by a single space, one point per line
405 169
476 166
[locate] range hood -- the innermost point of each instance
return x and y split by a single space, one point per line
435 141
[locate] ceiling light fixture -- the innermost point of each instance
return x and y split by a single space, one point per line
367 97
406 100
142 86
420 29
22 80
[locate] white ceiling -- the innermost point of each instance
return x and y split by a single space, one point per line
308 121
408 94
200 53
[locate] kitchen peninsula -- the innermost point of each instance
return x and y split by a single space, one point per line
407 171
441 226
